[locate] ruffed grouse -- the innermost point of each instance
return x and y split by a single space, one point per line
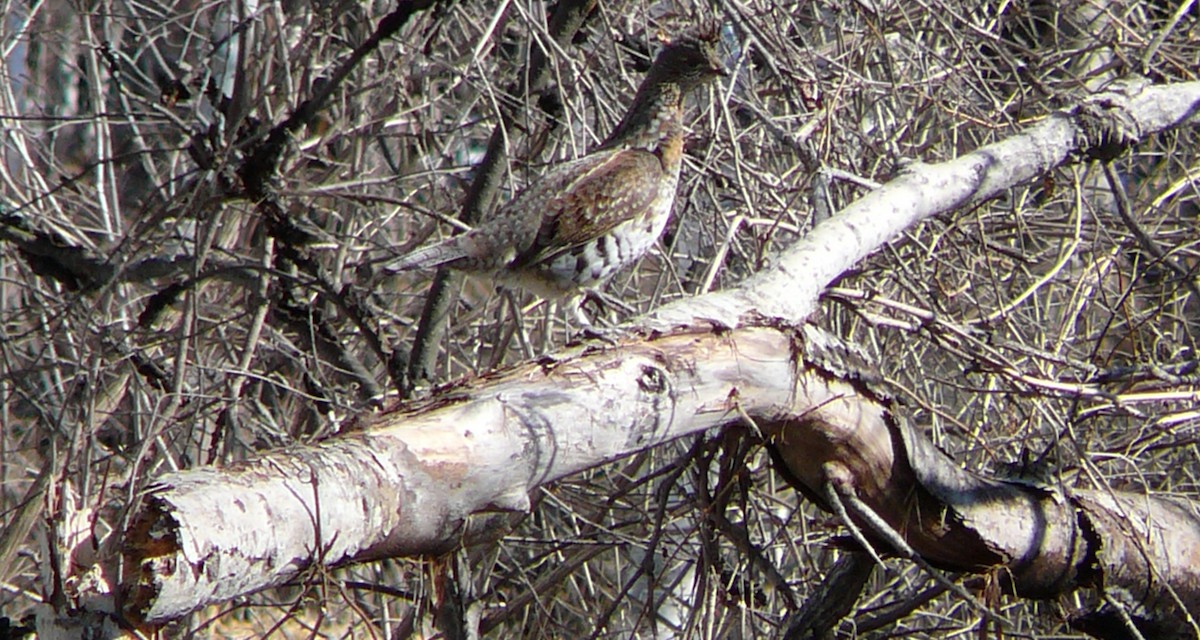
587 218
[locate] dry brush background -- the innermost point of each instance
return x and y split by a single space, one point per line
155 315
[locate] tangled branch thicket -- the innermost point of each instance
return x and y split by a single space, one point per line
159 309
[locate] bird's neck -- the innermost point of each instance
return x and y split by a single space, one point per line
654 121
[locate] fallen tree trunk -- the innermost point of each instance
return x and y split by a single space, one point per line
408 481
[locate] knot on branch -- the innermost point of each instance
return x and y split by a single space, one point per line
1107 126
653 380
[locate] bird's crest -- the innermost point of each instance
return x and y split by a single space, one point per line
692 54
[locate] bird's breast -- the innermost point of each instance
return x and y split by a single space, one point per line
670 153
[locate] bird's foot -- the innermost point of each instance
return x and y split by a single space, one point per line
603 304
608 335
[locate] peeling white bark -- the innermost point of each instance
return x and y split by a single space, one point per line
406 482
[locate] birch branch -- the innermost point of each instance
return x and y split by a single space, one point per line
409 481
788 289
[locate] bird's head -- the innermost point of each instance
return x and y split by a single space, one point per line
690 59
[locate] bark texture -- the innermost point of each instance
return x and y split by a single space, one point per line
409 480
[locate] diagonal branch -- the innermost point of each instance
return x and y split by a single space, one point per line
407 481
790 287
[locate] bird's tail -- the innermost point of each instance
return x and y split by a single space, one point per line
436 255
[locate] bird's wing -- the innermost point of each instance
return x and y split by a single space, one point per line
574 203
593 199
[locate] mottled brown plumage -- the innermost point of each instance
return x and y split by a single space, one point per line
588 218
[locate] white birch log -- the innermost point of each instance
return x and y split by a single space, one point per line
409 481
